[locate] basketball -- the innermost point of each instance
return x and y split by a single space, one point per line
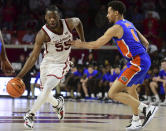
15 87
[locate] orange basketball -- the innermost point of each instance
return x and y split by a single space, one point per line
15 87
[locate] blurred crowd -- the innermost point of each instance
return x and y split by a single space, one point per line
21 19
92 81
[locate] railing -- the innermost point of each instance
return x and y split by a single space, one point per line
106 47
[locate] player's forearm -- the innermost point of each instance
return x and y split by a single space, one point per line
28 65
88 45
161 80
3 52
80 31
145 44
143 40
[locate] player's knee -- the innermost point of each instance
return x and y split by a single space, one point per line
152 84
131 90
111 95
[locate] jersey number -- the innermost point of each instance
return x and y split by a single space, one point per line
134 35
60 46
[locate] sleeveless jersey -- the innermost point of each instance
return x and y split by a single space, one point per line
129 45
57 50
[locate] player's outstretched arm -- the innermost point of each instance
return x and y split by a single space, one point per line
34 55
113 31
77 24
6 66
144 41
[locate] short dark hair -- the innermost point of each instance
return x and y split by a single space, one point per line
52 8
163 60
118 6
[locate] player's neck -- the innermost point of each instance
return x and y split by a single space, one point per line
58 29
120 17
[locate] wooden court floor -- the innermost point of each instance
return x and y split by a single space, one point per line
80 116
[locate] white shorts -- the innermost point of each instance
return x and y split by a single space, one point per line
52 69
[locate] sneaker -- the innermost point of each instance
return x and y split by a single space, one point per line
163 103
60 109
156 103
135 125
29 120
149 113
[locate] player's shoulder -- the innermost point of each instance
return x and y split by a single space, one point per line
42 34
115 28
72 20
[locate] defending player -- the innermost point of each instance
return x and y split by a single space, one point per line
54 35
132 45
5 64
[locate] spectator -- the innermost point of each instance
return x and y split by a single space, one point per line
34 4
24 16
151 26
28 38
137 18
90 60
154 85
14 39
9 15
6 36
100 23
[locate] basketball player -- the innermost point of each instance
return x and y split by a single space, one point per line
132 45
55 34
5 64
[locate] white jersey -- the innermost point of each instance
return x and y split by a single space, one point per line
56 58
57 50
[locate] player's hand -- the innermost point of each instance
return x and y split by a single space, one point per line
6 66
155 78
164 84
76 43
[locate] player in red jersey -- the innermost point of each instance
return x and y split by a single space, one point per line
54 35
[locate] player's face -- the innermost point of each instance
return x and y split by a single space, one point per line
163 65
117 70
52 18
90 70
111 15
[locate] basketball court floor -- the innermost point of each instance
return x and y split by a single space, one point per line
80 116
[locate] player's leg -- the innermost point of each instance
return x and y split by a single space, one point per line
147 91
135 121
133 92
162 91
57 104
50 83
164 85
116 93
43 97
153 87
84 87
